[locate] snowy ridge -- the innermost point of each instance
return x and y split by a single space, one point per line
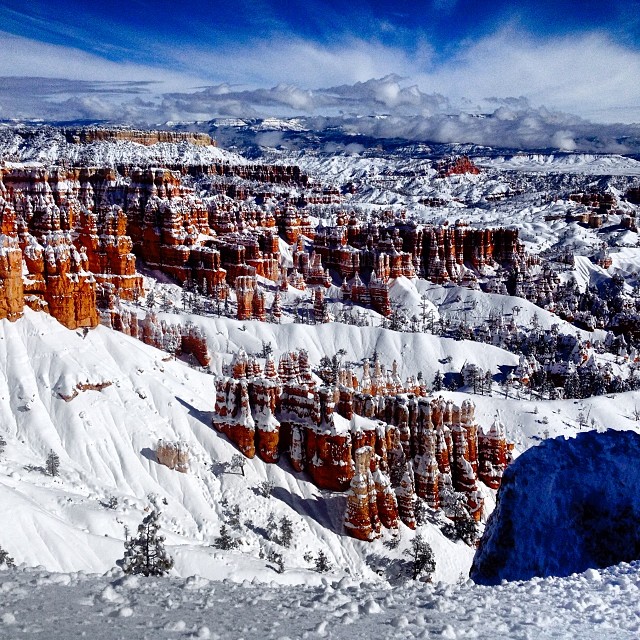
49 146
610 164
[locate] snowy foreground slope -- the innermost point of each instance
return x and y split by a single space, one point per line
102 402
594 605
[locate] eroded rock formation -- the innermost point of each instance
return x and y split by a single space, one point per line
411 446
174 455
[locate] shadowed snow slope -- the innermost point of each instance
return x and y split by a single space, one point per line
564 507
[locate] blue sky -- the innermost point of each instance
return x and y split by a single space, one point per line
131 29
172 59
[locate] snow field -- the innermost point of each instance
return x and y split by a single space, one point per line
594 605
106 440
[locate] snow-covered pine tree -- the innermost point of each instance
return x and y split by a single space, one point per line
322 562
286 532
225 540
145 553
421 555
438 381
3 444
52 464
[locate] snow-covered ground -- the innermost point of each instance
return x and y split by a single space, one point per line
106 441
594 605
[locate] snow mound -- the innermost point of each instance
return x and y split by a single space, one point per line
564 507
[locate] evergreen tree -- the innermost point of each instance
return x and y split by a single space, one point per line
145 553
225 540
488 383
233 516
466 529
463 527
3 444
185 298
166 306
6 559
438 381
322 562
277 560
421 556
52 464
286 532
272 528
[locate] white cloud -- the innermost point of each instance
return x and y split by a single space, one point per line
588 74
525 86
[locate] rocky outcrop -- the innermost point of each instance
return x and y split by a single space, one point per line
176 339
174 455
359 252
456 166
564 506
414 447
87 135
361 517
12 298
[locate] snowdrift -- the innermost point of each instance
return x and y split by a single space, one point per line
564 507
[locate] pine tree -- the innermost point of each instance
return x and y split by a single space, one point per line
272 528
322 562
6 559
145 553
225 540
286 532
3 444
53 464
421 555
277 560
466 529
438 381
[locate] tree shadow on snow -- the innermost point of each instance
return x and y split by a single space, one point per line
327 510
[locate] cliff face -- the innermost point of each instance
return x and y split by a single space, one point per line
378 439
69 244
439 254
89 135
111 215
